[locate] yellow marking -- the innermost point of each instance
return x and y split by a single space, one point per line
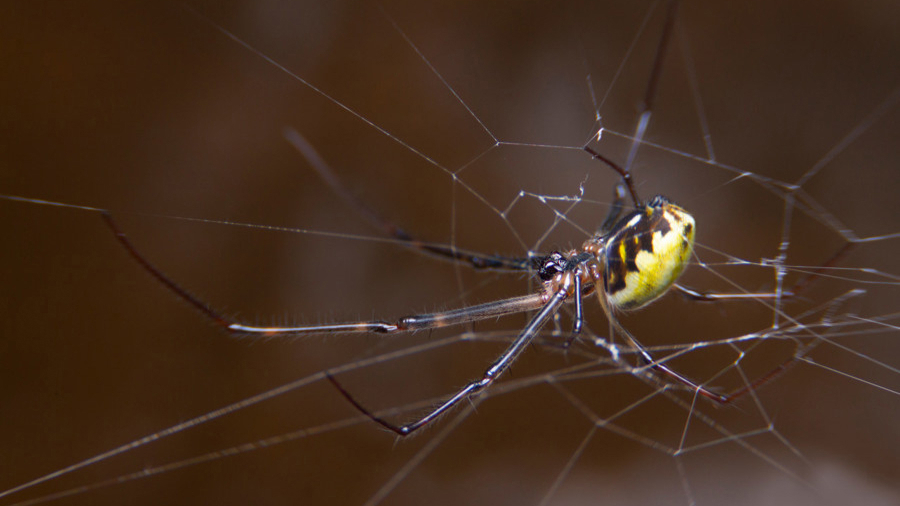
657 271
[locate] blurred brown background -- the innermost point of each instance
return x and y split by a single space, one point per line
152 111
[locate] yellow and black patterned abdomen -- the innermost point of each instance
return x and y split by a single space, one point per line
646 252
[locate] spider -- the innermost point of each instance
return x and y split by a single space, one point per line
630 262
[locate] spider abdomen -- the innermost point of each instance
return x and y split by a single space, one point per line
646 252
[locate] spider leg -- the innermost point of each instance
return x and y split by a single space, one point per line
800 353
472 259
698 296
660 366
404 324
798 287
625 174
720 398
652 363
653 82
646 106
474 387
615 210
579 309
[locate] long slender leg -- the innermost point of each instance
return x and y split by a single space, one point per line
804 282
646 106
722 399
794 290
615 210
579 308
405 324
698 296
626 175
799 354
648 359
653 82
728 398
492 373
474 260
661 367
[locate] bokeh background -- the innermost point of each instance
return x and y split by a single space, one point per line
154 112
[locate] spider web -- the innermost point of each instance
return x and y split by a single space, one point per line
773 125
